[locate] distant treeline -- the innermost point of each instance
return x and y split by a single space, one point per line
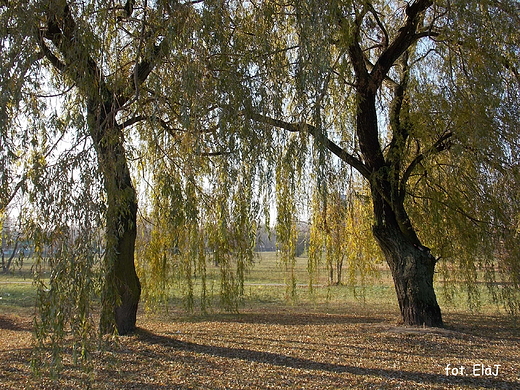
266 239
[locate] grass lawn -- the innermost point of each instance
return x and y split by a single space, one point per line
328 340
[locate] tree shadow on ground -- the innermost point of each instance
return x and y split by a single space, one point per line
10 323
492 327
291 318
282 360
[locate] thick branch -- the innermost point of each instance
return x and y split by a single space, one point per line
509 66
8 199
129 8
55 61
439 146
407 35
388 80
367 84
356 52
381 26
77 64
83 70
143 69
315 132
132 121
399 118
178 14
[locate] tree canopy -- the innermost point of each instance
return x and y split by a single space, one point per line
388 117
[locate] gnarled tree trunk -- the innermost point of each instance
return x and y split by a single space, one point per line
412 270
411 264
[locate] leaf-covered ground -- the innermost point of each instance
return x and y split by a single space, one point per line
285 348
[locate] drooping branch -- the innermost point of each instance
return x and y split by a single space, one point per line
316 133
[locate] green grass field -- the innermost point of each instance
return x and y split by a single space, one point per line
267 284
17 291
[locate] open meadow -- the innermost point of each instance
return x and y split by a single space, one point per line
338 337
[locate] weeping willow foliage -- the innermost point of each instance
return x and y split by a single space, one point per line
68 249
63 219
341 234
204 169
55 187
17 77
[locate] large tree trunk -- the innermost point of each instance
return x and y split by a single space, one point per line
411 263
412 266
122 289
412 269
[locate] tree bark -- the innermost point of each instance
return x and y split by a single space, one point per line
412 267
122 289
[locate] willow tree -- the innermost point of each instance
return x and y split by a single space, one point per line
94 60
419 98
66 46
116 100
